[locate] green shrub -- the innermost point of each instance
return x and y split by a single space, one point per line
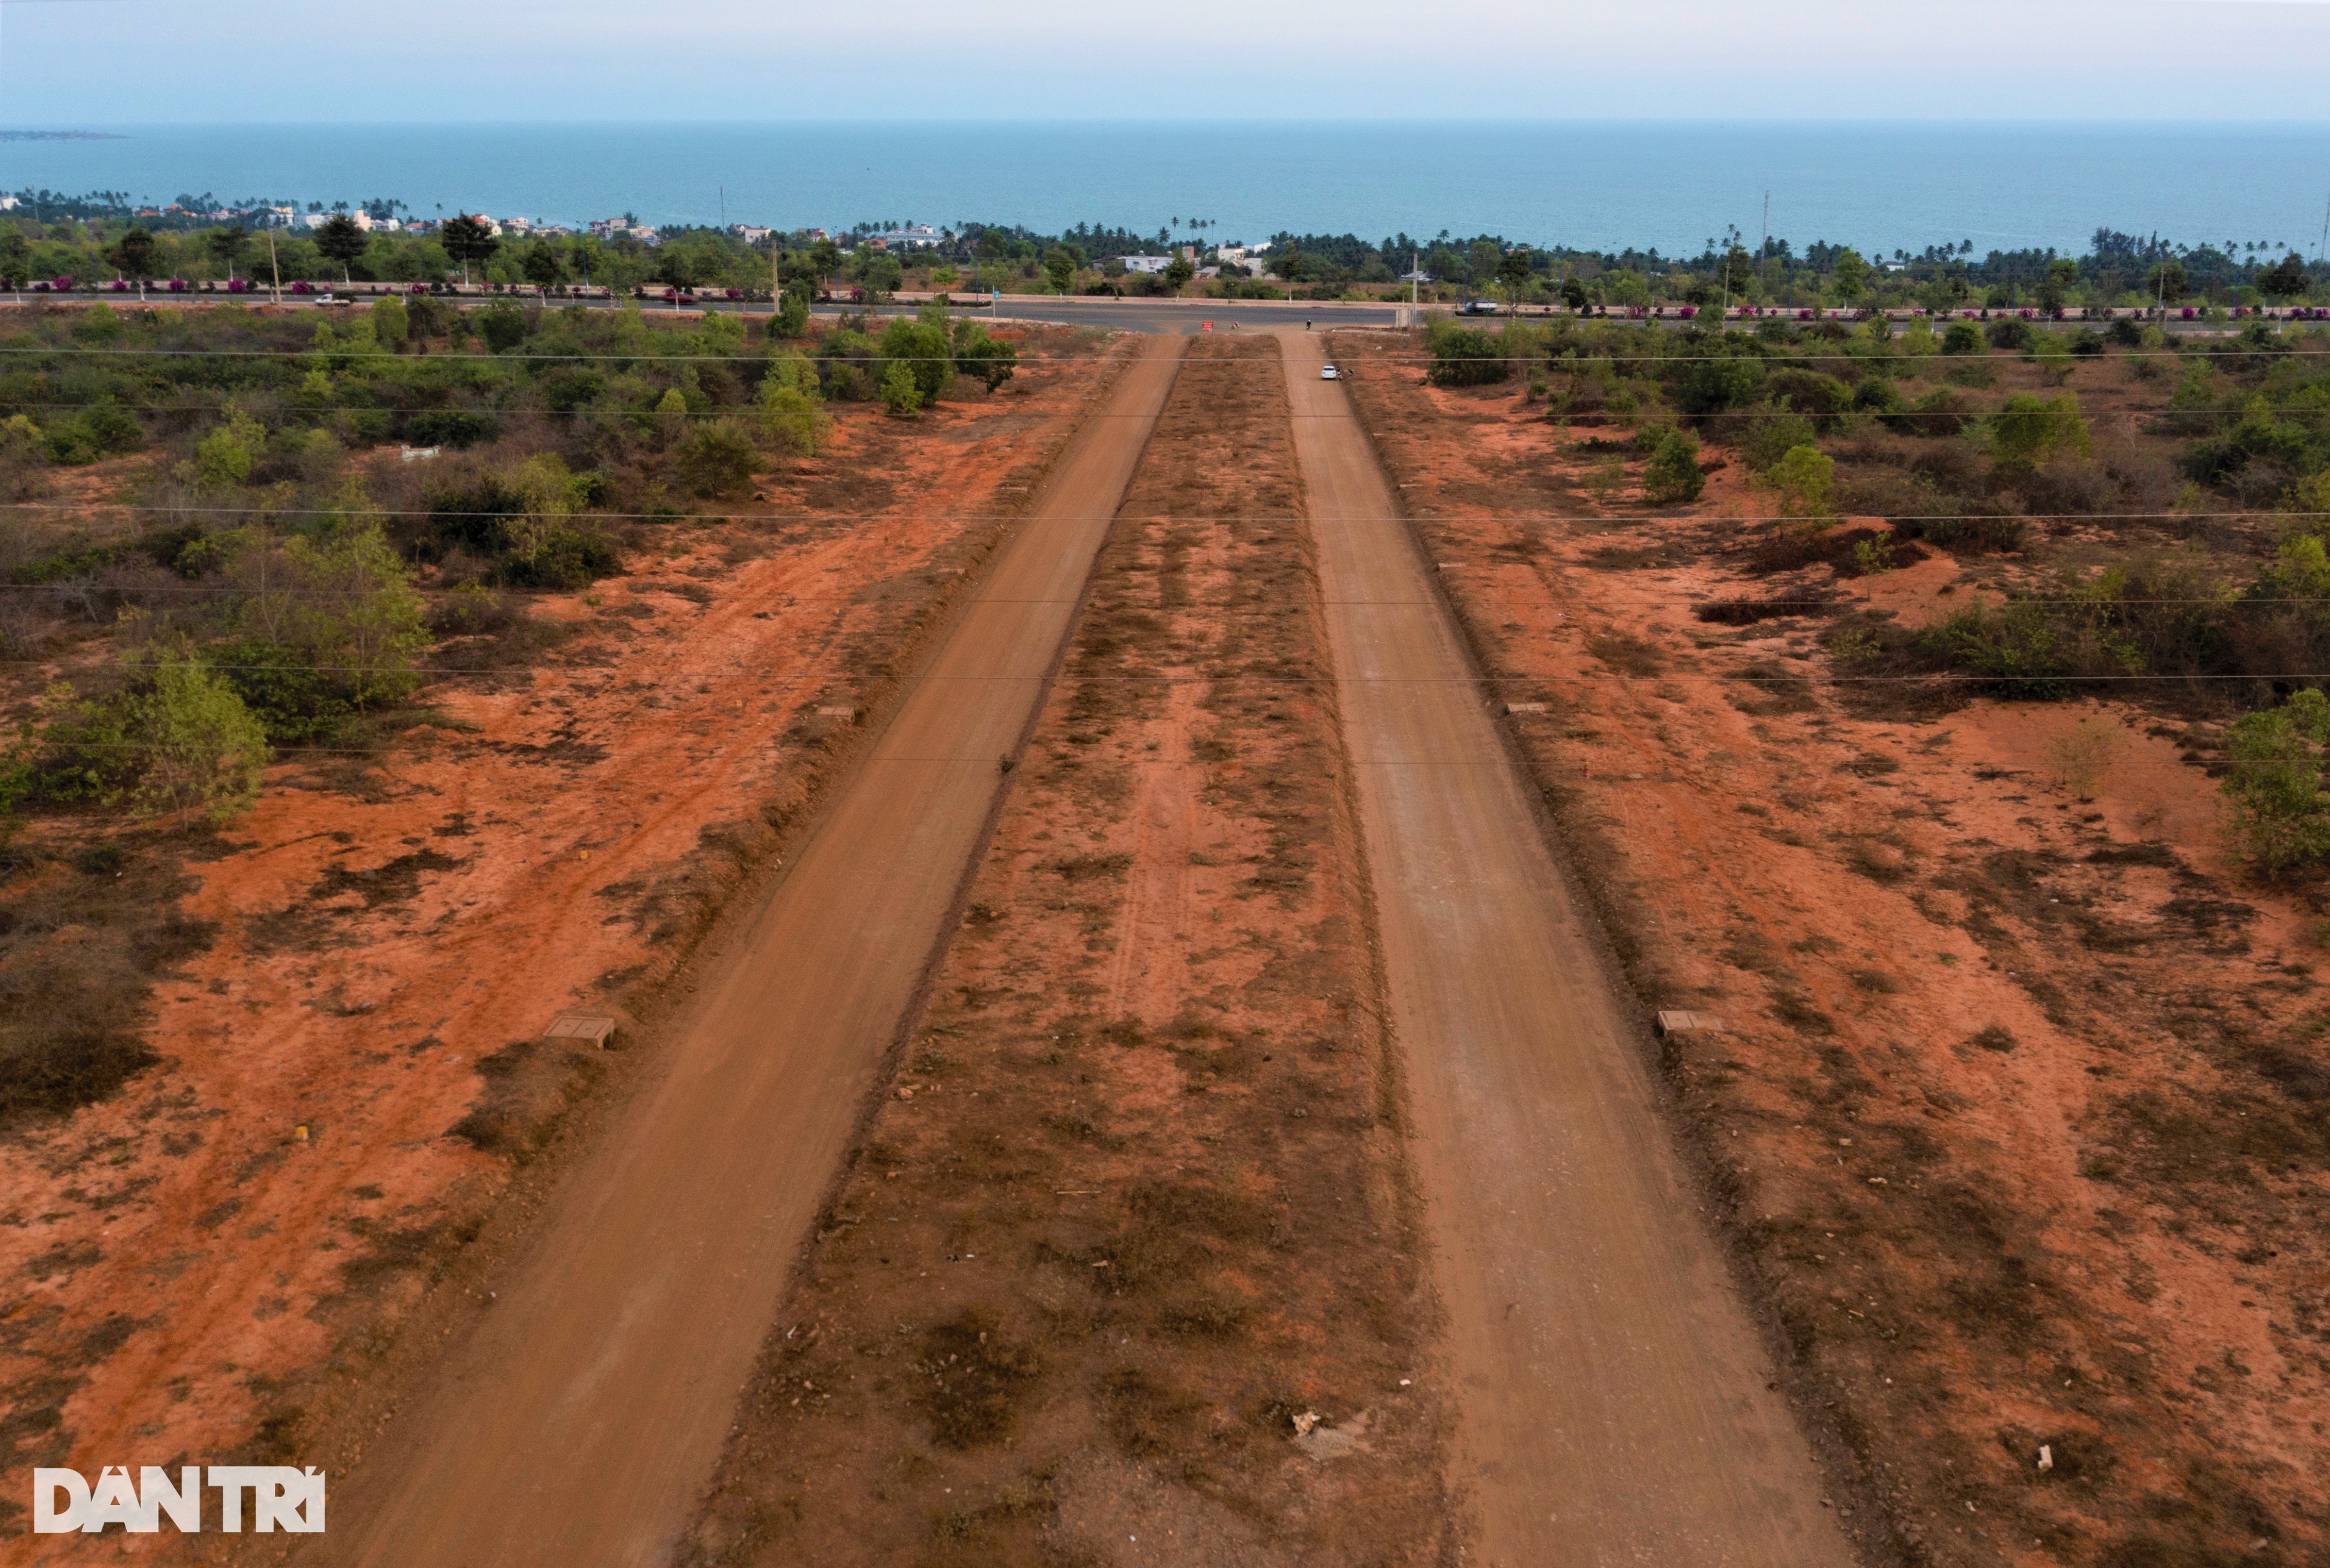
1965 536
1673 474
328 628
502 326
102 429
178 741
2011 332
1719 383
715 459
1822 399
1772 438
2276 808
225 456
791 318
24 455
1463 356
566 560
1941 411
572 387
1962 338
846 365
2017 650
392 324
902 397
453 427
927 353
792 418
2029 429
1878 396
982 357
1803 475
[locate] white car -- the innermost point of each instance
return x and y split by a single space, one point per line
1328 373
328 297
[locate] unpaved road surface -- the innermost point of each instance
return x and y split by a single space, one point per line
1614 1398
579 1422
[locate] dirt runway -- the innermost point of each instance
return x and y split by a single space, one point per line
1614 1398
578 1422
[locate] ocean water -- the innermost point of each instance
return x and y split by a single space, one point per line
1606 184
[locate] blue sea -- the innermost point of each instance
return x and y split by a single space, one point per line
1604 184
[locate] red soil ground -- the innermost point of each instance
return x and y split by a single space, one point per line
2017 1112
210 1262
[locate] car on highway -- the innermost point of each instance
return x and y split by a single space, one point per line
328 297
1479 308
1328 373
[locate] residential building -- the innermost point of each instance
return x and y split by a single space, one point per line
1146 263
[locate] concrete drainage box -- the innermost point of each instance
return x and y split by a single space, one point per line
598 1032
1671 1022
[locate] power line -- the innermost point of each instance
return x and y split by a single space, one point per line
1516 678
1544 358
1312 519
1897 415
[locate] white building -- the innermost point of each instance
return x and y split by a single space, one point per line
1146 263
748 232
917 237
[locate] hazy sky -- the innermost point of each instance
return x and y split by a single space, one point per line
65 63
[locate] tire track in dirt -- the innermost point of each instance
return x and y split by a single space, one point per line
1615 1403
576 1423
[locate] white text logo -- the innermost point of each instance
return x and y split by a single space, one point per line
281 1498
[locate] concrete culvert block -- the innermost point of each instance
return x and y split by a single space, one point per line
600 1031
1524 707
1675 1021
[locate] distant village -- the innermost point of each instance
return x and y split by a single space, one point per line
1144 254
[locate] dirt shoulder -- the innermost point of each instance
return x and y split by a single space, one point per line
229 1257
2016 1115
1134 1199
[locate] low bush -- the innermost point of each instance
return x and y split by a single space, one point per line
1805 475
1463 356
1773 436
1939 413
2029 429
1822 399
455 427
1672 475
715 459
2277 811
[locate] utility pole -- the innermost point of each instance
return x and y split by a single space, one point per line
1764 239
2322 250
272 266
